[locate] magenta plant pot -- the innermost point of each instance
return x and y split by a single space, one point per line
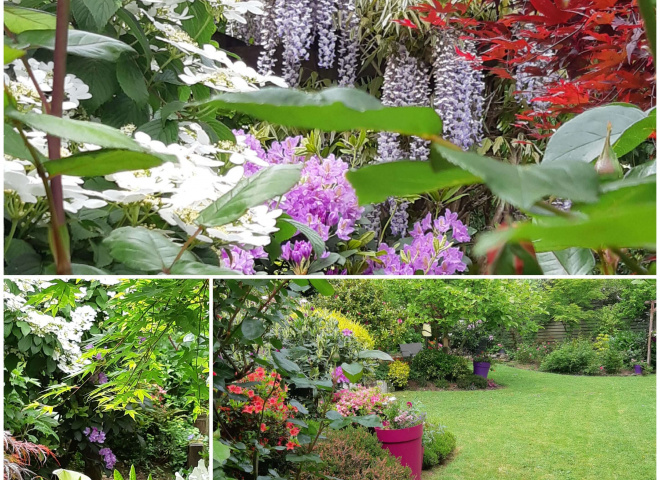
406 445
638 369
481 368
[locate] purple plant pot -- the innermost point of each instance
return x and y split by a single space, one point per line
481 368
406 445
638 369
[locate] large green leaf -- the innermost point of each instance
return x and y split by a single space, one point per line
334 109
102 10
137 31
12 54
625 218
375 183
582 138
15 147
524 185
250 192
99 76
312 235
352 371
322 286
647 8
142 249
101 162
83 132
84 44
252 328
19 20
572 261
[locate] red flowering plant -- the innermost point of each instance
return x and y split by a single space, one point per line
256 412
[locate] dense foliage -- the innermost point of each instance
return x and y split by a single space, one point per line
138 141
106 370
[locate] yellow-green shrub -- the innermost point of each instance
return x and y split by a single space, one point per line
343 323
398 374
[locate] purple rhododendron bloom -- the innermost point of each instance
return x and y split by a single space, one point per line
296 253
108 457
94 435
339 376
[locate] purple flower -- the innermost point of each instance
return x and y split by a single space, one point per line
108 457
297 252
338 376
142 340
103 378
94 435
98 356
242 260
347 332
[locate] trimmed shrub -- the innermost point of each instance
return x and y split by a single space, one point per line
356 454
528 353
471 382
438 445
575 357
398 374
434 365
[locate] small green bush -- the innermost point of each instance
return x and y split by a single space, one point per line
611 360
574 357
442 383
471 382
398 374
435 365
356 454
528 353
438 445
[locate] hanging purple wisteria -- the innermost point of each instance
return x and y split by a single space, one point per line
459 90
295 25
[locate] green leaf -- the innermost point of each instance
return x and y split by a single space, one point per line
197 268
647 9
12 54
635 134
375 354
301 408
136 30
252 328
641 171
131 474
375 183
322 286
524 185
284 363
83 44
333 415
142 249
24 344
83 132
624 218
99 76
166 132
249 192
102 162
571 261
19 20
352 371
581 139
71 475
221 452
80 269
369 421
514 260
15 147
132 80
334 109
200 24
312 235
222 131
102 10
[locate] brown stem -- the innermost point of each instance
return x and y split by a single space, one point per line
184 247
63 263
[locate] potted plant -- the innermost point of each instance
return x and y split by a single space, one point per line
636 366
481 365
401 434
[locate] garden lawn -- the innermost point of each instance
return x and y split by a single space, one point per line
548 426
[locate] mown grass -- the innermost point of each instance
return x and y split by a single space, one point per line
548 426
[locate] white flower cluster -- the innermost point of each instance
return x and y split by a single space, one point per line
69 333
200 472
24 91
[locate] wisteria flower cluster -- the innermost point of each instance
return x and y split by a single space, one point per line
430 252
459 90
359 400
293 25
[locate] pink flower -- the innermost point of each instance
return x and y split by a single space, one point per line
601 368
409 404
399 321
